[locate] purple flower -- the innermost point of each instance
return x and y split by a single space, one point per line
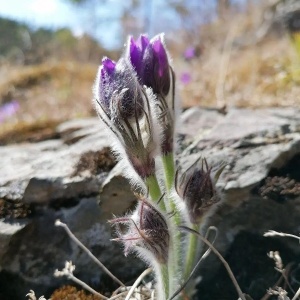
150 61
136 52
117 90
185 78
8 109
124 107
106 83
189 53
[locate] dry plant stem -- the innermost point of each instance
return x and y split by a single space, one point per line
85 286
137 282
276 233
89 253
123 291
224 67
296 295
118 296
208 243
278 283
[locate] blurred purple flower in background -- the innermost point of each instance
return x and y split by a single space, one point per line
8 110
185 78
189 53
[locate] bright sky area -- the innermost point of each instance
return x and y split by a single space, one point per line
59 13
50 14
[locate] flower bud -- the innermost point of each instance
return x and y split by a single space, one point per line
146 229
150 61
136 53
106 83
197 189
124 107
117 90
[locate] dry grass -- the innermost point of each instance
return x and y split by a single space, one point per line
50 91
260 74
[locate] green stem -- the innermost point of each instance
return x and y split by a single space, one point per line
165 280
191 254
154 191
169 169
175 263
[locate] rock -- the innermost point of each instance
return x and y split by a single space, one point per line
266 146
61 179
52 170
58 179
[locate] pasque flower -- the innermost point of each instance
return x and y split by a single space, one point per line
197 188
135 98
150 60
124 107
118 92
146 232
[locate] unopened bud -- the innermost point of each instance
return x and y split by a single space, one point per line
197 188
146 229
150 60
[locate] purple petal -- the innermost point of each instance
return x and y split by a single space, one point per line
135 55
106 80
108 65
161 56
142 42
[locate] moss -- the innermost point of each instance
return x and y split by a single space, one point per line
94 162
68 292
14 209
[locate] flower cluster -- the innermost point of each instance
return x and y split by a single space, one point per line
135 99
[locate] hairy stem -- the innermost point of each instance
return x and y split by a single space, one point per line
175 263
165 282
218 254
154 191
169 169
191 253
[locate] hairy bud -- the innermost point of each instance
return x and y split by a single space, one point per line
117 90
146 229
197 188
123 106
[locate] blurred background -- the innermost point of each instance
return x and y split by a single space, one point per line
225 53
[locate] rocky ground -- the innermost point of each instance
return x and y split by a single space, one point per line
59 177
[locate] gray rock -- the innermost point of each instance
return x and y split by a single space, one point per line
61 179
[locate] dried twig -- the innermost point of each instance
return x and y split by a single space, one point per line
297 295
89 253
276 233
137 282
68 272
206 253
227 267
